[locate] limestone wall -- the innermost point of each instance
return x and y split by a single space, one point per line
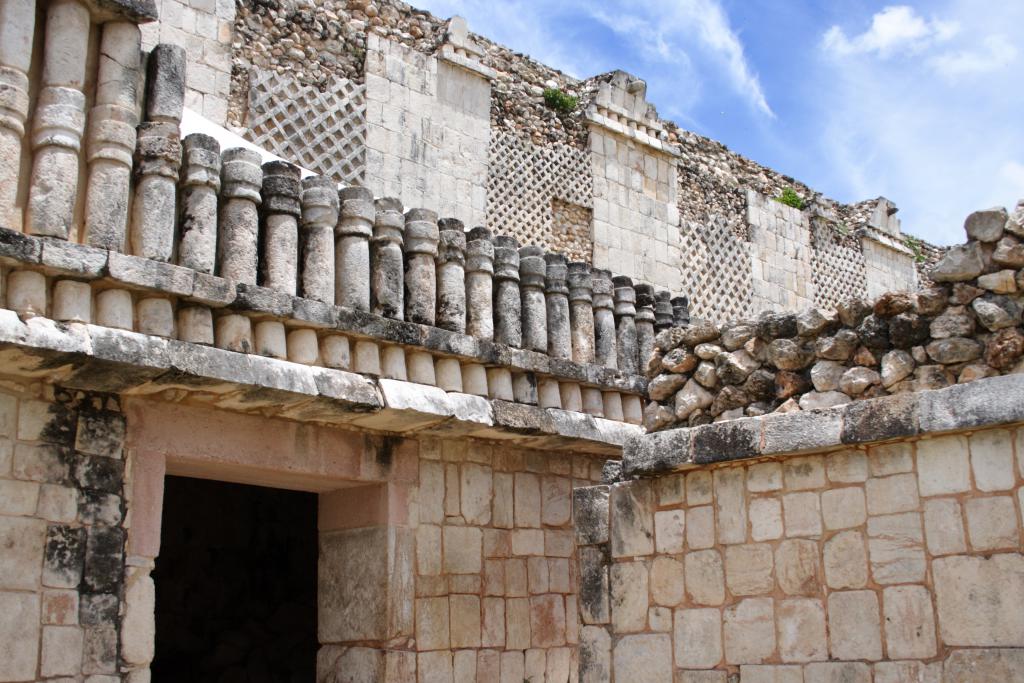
878 544
63 575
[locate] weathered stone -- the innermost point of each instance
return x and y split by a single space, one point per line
1009 252
581 313
838 347
238 224
198 187
748 568
749 631
813 400
970 666
690 398
420 248
855 626
786 354
629 596
801 629
893 303
450 263
1004 349
978 600
954 350
874 332
986 225
907 330
736 334
896 546
697 634
852 311
627 342
772 325
909 622
644 658
931 301
605 345
960 264
789 384
735 367
679 361
896 366
1000 282
846 561
996 312
663 386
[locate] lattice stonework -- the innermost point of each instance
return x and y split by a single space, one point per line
837 266
527 184
716 271
322 131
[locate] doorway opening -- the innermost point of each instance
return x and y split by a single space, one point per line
236 584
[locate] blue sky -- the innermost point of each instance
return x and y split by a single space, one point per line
920 102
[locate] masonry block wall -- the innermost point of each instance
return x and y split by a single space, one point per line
893 562
63 575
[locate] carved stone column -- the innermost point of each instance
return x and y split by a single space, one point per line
451 276
319 216
421 236
605 348
387 290
198 188
680 311
158 155
17 29
241 179
531 282
59 122
644 323
625 324
508 324
556 293
581 312
480 284
352 248
662 311
280 255
111 137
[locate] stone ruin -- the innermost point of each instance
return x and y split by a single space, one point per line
257 424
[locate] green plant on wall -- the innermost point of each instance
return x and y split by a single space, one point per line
915 245
559 100
789 197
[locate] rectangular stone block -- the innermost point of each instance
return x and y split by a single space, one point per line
19 636
992 523
909 622
844 508
749 631
748 569
896 493
697 634
644 658
978 600
801 629
896 548
730 505
802 514
705 580
854 625
944 526
629 597
943 466
765 519
632 519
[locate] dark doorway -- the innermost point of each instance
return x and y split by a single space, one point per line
235 584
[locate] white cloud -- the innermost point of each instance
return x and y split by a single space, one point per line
667 34
665 27
937 130
897 28
997 52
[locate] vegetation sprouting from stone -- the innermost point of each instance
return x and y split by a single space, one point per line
789 197
560 100
915 245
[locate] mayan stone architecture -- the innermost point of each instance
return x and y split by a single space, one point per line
330 351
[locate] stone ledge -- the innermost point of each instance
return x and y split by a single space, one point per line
60 258
103 359
982 403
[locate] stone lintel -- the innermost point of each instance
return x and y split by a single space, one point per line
983 403
96 358
135 11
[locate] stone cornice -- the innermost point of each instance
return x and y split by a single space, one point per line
982 403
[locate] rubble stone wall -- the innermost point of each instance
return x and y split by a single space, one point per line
966 325
882 543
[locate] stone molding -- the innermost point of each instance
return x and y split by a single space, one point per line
983 403
102 359
621 107
462 51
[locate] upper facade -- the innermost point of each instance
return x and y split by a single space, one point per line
383 95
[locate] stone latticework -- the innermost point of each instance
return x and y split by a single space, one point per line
716 267
323 130
837 264
527 184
